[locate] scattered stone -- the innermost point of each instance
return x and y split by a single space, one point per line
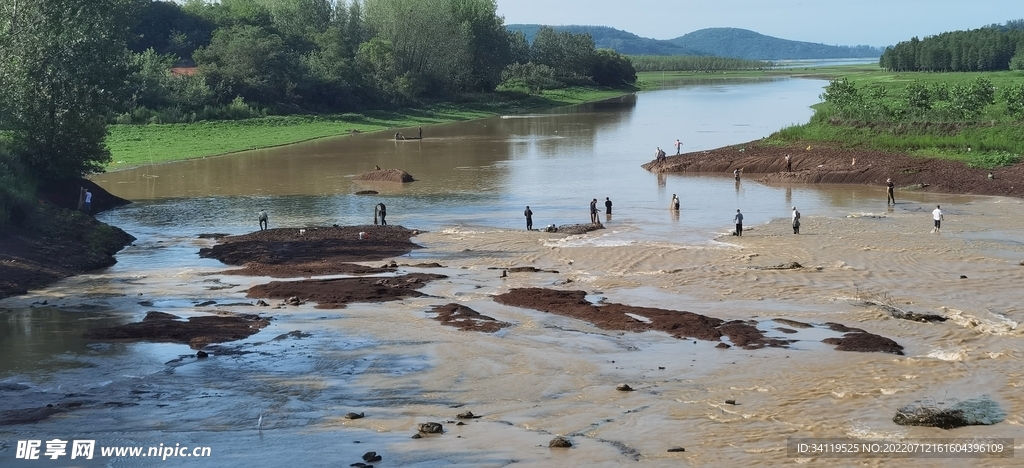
431 428
146 303
202 354
624 388
676 449
360 415
460 423
560 442
466 415
963 276
371 457
730 402
661 367
723 346
417 436
206 303
262 303
974 412
293 301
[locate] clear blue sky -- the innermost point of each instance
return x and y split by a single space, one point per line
837 22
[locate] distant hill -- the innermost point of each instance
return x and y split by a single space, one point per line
618 40
746 44
719 42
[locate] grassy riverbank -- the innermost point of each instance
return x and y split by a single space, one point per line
990 140
136 145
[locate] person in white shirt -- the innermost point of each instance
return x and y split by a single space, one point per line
87 206
796 221
937 216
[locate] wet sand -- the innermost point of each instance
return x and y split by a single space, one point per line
547 375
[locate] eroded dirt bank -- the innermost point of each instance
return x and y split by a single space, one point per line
824 164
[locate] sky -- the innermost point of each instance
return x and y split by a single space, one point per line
834 22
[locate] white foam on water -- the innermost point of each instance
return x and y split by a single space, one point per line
993 324
950 355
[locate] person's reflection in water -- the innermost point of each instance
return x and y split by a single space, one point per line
661 179
737 186
789 196
675 215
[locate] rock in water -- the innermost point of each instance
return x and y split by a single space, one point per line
431 428
624 388
560 442
676 449
974 412
355 416
466 415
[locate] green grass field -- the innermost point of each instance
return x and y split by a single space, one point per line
993 140
135 145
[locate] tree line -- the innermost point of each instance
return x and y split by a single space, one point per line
648 63
68 68
991 48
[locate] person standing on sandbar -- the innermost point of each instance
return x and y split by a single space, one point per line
889 187
529 218
593 212
738 219
937 216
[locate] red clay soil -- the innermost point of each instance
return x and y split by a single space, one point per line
861 341
287 252
51 245
339 292
826 164
679 324
196 331
466 319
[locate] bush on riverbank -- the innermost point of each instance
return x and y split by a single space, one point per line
973 118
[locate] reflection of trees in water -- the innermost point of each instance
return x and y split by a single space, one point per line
569 129
29 337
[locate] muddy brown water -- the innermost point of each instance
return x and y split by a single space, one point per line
544 375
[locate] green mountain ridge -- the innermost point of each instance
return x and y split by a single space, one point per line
719 42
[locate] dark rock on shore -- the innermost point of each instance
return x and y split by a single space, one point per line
431 428
560 442
466 319
624 388
359 415
312 251
196 331
338 292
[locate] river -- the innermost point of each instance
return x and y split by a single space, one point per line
546 375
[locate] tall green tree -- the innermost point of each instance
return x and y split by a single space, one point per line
63 65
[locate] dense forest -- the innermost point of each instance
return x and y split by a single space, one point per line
991 48
69 68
